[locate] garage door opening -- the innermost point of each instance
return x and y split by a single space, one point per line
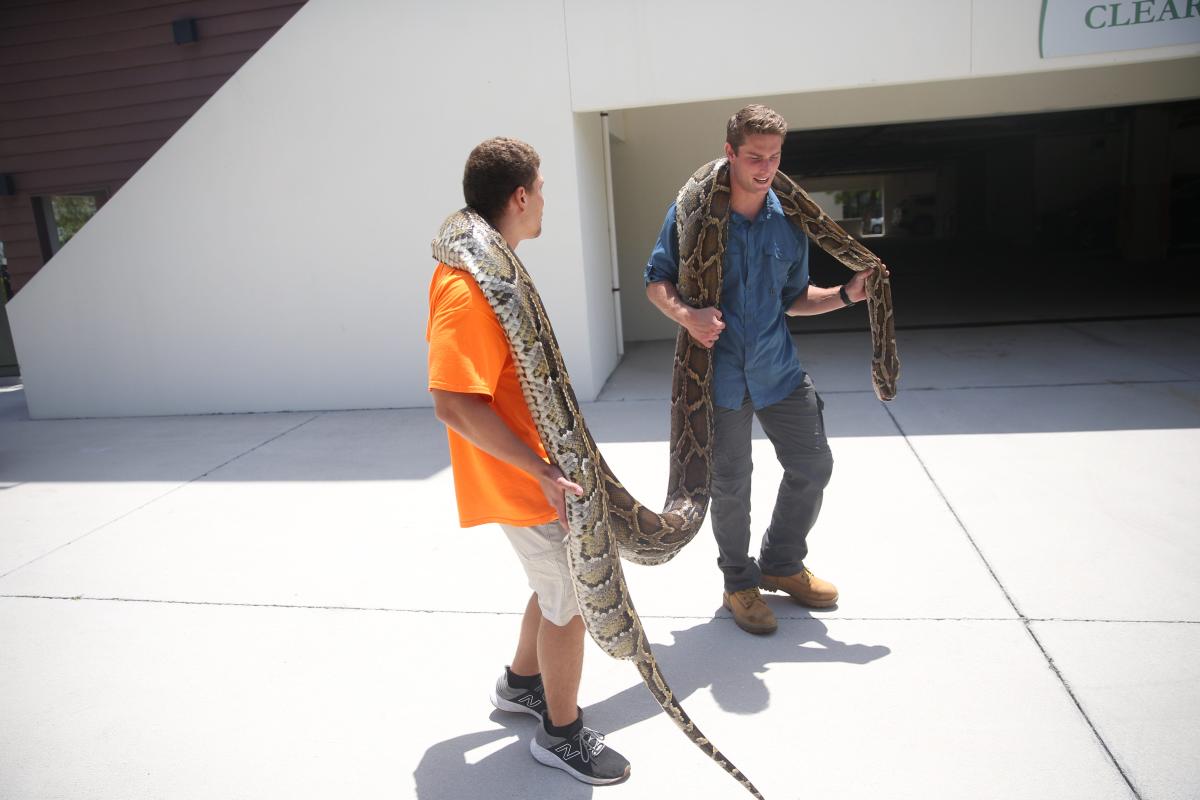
1057 216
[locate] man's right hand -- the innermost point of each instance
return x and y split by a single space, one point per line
704 325
473 417
555 486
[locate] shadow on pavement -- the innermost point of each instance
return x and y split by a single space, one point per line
715 655
712 655
487 764
1132 375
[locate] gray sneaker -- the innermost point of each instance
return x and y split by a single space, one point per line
522 701
583 755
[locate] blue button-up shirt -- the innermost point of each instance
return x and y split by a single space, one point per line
766 268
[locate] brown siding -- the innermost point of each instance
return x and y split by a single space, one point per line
11 131
90 90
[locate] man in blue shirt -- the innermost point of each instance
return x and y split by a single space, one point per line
756 373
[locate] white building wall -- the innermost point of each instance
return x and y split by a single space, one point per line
275 253
599 326
631 53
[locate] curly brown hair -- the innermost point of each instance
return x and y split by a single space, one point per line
753 119
494 170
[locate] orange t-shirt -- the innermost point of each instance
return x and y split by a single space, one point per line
469 353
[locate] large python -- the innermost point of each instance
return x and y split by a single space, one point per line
606 522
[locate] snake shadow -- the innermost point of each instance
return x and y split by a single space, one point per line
715 655
711 655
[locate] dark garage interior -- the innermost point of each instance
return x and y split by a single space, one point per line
1074 215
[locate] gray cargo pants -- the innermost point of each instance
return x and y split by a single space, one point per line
796 427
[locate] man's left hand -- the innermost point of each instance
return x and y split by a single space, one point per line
856 287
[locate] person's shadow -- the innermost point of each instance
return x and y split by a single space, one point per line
492 764
707 655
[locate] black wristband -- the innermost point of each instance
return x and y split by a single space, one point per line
845 297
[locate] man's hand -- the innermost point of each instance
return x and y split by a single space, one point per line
473 417
704 325
555 486
856 287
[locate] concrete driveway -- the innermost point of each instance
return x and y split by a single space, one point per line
283 606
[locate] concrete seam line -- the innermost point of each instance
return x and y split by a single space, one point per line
468 612
1025 621
155 499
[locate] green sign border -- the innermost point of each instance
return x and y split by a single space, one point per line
1042 29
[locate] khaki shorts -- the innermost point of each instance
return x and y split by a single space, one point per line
543 553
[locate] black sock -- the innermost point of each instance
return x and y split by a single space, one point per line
566 731
522 681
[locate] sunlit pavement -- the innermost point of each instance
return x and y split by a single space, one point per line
283 605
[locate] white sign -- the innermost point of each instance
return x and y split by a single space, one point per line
1075 27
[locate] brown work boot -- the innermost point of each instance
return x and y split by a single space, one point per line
804 587
750 611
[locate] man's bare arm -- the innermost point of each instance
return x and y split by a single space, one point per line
472 417
816 300
703 324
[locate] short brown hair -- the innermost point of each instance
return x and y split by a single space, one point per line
753 119
495 168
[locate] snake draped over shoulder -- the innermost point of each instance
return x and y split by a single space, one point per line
606 522
702 219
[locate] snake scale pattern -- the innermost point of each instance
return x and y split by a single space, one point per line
606 522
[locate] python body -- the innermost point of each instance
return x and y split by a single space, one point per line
606 522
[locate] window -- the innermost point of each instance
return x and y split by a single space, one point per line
899 204
855 202
6 292
60 216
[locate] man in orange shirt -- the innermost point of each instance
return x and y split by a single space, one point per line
501 474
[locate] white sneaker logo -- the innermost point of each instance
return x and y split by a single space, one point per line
590 745
530 700
566 751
